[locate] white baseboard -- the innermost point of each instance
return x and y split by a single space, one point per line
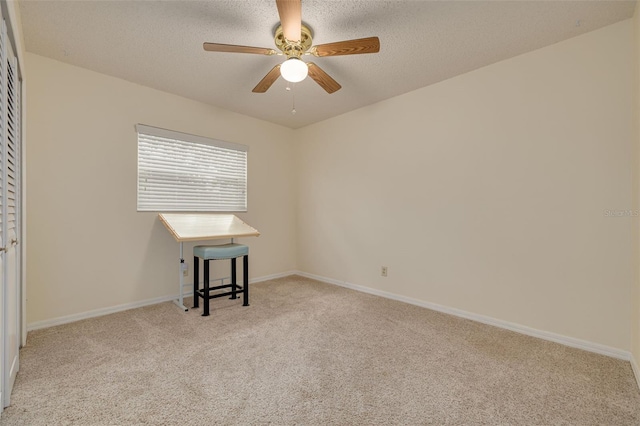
553 337
636 370
126 306
96 313
273 276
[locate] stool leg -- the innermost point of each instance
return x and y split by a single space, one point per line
234 279
196 272
205 296
245 279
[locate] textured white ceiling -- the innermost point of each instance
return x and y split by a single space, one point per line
159 44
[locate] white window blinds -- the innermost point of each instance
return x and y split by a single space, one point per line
182 172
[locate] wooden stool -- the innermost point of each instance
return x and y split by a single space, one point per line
226 251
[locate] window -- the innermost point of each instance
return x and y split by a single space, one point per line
182 172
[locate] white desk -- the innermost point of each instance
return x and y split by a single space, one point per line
202 226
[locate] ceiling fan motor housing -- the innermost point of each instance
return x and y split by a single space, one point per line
293 49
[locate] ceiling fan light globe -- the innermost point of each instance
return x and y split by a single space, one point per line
294 70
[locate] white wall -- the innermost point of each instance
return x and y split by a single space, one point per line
88 247
487 192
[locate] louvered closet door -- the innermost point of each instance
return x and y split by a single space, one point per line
10 212
4 376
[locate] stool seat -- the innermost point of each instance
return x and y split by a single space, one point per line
223 251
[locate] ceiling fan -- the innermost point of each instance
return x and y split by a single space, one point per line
293 40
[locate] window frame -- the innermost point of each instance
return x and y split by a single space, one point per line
216 151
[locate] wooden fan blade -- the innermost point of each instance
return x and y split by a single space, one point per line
348 47
323 79
232 48
268 80
290 12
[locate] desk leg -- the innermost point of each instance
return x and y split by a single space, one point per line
180 301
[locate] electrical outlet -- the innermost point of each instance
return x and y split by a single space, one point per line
383 271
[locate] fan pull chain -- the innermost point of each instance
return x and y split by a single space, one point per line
293 102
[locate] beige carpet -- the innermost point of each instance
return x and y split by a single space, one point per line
308 353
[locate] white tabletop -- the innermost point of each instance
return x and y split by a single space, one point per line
205 226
